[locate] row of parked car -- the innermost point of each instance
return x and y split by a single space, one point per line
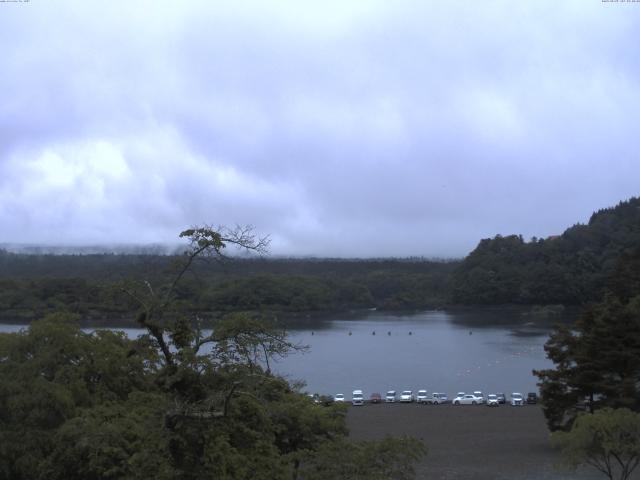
436 398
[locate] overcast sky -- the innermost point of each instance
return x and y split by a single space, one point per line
362 128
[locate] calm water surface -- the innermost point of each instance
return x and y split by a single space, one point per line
492 351
444 351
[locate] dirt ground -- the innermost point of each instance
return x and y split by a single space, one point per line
469 442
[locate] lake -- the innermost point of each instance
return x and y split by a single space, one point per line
493 350
442 351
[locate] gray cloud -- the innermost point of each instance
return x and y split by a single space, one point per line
341 128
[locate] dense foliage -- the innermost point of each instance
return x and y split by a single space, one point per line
597 360
179 402
569 269
607 440
34 285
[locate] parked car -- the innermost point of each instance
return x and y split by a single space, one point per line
326 400
338 397
437 398
516 399
480 395
422 396
375 398
502 398
468 399
532 398
492 400
357 398
391 396
406 396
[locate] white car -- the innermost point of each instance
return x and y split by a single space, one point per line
357 398
422 396
517 399
478 393
391 396
468 399
406 396
338 397
492 400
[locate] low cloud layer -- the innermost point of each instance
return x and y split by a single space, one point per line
339 128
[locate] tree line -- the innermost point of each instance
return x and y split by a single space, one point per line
568 269
44 285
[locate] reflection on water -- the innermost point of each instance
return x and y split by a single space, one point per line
493 350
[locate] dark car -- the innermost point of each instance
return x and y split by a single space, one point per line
375 398
326 400
501 398
532 398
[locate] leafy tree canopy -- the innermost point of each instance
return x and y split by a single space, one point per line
607 440
178 402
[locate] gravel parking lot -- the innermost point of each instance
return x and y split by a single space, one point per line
469 442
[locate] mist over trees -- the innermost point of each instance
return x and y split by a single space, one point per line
569 269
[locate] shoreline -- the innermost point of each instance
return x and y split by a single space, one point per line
298 320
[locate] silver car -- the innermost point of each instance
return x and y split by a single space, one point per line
390 397
493 400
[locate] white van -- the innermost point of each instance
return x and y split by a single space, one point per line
357 397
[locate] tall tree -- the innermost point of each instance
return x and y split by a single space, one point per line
597 362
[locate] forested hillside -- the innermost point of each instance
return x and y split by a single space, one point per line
569 269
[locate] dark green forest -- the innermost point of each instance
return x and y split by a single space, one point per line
568 269
90 285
